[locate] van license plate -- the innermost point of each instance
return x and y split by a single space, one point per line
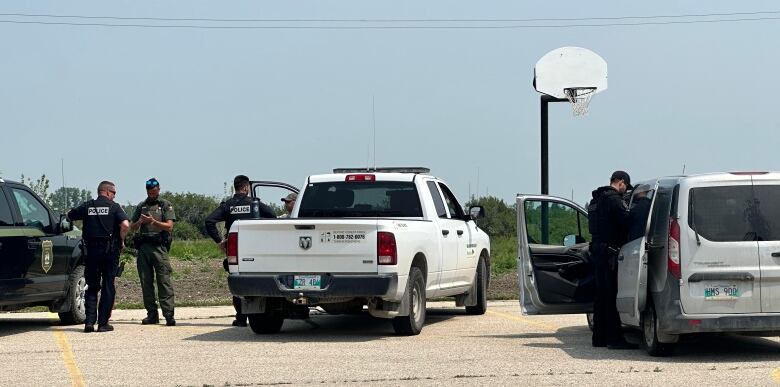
721 292
306 282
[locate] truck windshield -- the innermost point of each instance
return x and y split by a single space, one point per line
360 199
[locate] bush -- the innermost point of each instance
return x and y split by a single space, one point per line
195 250
503 254
185 231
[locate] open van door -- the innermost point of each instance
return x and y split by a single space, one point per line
555 273
633 256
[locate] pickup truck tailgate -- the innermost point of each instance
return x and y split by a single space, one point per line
307 246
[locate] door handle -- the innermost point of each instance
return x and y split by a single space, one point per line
776 254
460 232
445 232
621 257
33 245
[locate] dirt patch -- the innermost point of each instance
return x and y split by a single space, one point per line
199 282
503 286
204 282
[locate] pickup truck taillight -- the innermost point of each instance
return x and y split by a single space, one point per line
232 248
386 250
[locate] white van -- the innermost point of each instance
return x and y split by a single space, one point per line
706 257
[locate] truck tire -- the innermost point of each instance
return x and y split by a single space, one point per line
265 323
77 286
589 317
412 324
481 288
650 334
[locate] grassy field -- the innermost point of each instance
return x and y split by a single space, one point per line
503 252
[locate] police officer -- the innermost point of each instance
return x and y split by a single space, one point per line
105 229
235 208
153 220
608 221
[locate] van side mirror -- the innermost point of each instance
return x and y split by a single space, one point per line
476 212
571 240
64 224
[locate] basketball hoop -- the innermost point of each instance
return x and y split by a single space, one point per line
579 98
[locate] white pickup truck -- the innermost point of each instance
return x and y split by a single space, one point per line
388 238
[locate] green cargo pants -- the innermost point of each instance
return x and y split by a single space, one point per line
153 260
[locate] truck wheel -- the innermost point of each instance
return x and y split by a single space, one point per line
415 292
650 334
77 286
481 279
265 323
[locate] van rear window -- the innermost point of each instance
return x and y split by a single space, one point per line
765 213
360 199
735 213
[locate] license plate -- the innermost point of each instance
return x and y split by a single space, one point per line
306 282
721 292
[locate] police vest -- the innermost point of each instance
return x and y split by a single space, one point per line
99 219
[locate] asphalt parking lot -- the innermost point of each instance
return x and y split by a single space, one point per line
501 347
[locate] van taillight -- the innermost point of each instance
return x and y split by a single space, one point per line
674 248
232 248
386 250
361 177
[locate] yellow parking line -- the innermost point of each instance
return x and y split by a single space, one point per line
524 320
76 378
776 375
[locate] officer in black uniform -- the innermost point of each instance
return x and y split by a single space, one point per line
105 229
240 206
608 222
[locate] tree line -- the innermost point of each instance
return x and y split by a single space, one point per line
192 208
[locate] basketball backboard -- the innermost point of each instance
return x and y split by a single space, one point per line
570 68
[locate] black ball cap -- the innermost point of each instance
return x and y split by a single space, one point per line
622 175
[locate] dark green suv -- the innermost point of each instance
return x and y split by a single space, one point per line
40 261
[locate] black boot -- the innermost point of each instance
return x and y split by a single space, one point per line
151 319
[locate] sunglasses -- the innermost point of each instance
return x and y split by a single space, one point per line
113 192
151 183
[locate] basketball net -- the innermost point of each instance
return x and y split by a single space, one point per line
579 98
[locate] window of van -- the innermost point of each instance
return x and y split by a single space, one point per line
548 223
721 214
764 212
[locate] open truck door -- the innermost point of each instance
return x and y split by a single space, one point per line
555 272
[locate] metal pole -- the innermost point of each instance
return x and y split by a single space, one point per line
545 99
545 166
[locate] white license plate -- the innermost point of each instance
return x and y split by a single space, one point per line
307 282
722 292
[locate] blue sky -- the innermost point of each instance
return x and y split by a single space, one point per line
194 107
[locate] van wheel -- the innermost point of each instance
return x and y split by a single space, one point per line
77 287
589 317
650 334
481 279
415 292
265 323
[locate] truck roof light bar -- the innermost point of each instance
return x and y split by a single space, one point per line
416 170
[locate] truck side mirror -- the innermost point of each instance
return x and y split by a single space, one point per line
64 224
476 212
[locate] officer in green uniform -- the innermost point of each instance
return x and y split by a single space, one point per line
153 222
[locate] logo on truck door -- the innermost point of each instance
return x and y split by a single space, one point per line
304 242
47 255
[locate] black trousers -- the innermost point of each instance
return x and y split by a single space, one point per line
607 328
100 266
